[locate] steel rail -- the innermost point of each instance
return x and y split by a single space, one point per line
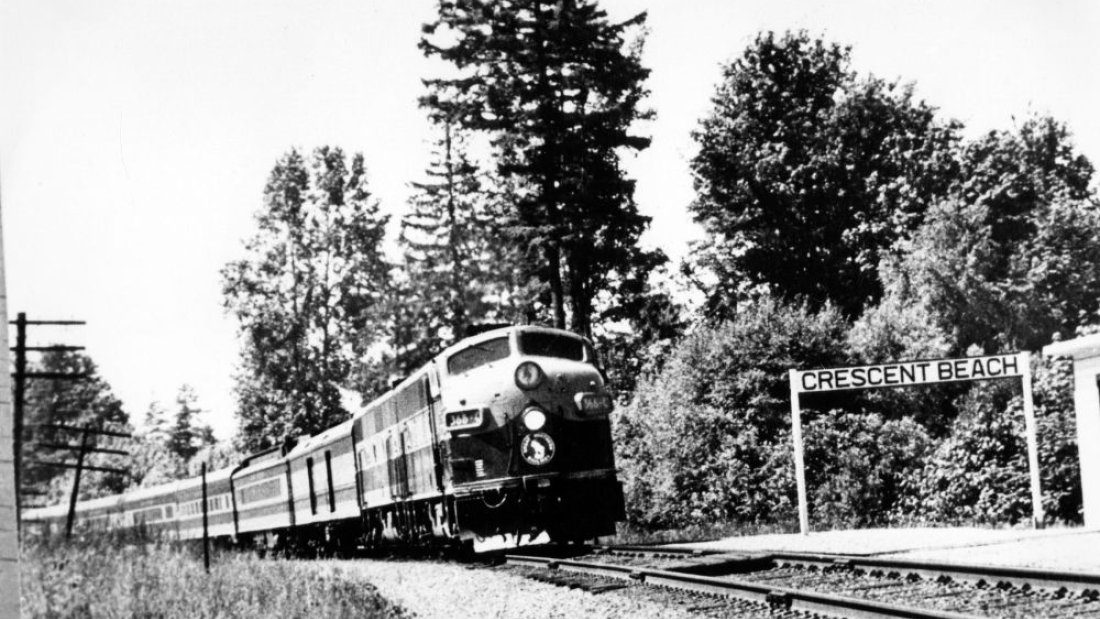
1053 580
652 551
781 597
1017 576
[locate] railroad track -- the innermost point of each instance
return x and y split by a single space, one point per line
837 586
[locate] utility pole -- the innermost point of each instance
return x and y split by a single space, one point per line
205 524
19 388
86 446
76 483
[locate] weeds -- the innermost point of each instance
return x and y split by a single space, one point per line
633 534
109 576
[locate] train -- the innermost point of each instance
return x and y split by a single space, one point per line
504 433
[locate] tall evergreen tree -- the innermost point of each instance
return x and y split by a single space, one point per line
458 271
558 86
188 436
73 403
309 296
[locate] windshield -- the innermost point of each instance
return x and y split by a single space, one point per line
551 345
478 355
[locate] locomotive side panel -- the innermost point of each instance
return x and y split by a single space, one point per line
397 453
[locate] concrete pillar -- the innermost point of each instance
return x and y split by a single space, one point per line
1086 400
9 538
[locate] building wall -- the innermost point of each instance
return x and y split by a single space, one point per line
1086 398
1085 351
9 540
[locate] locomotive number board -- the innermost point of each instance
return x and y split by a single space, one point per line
907 373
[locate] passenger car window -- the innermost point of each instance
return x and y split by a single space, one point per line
478 355
551 345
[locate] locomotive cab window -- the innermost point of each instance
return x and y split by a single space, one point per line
538 344
478 355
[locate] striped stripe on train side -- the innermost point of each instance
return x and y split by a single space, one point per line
153 509
398 462
261 495
219 502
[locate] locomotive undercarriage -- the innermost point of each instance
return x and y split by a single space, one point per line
567 509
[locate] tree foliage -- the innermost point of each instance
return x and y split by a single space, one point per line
557 87
703 438
807 174
457 270
88 402
1010 257
188 436
170 440
309 296
979 475
824 187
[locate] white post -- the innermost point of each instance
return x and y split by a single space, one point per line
799 461
1031 430
9 497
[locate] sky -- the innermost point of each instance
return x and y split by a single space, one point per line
136 136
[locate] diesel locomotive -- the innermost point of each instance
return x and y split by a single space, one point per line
505 432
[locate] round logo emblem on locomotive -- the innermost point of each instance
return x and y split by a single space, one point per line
537 448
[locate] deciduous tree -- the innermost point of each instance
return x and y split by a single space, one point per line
807 174
1011 255
309 296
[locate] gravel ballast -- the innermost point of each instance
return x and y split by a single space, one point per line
440 589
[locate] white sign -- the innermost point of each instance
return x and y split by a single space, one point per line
909 373
903 374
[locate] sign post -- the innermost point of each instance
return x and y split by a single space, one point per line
799 459
908 373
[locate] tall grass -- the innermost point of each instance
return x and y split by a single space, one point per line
107 576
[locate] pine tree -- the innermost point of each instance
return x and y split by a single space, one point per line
557 87
457 272
187 437
310 296
73 403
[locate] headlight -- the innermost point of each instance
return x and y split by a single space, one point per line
534 419
529 375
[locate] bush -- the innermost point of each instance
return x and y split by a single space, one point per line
979 475
857 466
700 441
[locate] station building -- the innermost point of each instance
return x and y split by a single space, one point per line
1085 352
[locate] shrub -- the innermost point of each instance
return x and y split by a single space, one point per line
857 465
698 441
979 475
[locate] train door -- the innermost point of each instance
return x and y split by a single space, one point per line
396 466
431 395
403 462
